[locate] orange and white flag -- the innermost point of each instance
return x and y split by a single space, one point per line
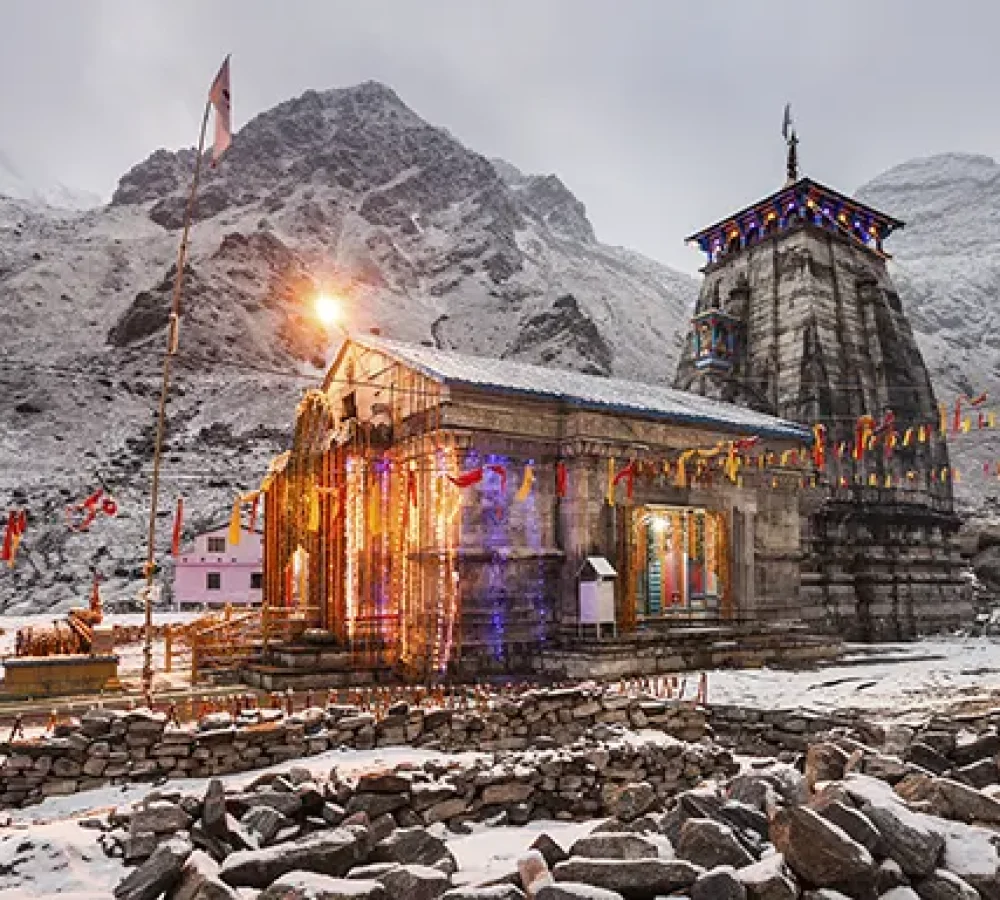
220 98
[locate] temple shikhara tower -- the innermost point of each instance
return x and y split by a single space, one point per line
798 318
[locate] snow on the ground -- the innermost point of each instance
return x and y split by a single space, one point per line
967 669
489 853
58 859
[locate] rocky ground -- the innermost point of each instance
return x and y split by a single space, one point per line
862 810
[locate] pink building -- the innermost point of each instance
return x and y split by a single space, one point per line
215 572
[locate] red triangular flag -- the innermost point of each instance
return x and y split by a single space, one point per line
175 545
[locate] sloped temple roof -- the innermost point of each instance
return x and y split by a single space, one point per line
799 191
576 389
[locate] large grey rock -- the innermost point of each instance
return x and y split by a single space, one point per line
634 879
824 762
979 774
568 890
200 880
719 884
310 886
159 817
327 853
967 804
857 826
890 875
769 879
907 837
376 805
213 811
550 849
709 844
632 801
158 874
264 822
411 846
614 846
487 892
943 885
817 850
413 882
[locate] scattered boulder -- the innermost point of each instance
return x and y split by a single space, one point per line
768 879
719 884
632 801
158 874
310 886
819 851
709 844
908 840
407 846
634 879
943 885
414 882
567 890
614 846
330 853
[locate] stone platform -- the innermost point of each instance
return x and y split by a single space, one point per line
665 649
660 648
54 676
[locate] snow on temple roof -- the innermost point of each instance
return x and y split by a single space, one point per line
584 391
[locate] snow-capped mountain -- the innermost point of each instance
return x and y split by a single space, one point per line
346 191
946 266
14 187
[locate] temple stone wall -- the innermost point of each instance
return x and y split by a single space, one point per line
825 339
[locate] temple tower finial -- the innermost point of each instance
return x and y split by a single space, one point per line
792 140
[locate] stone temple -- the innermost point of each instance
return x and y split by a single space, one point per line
798 318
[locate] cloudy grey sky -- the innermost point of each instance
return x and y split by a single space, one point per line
661 115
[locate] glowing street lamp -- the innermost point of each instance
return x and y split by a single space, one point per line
329 310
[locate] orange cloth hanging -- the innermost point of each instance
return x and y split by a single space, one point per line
525 489
611 481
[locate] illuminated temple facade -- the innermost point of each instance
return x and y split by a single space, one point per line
798 317
435 510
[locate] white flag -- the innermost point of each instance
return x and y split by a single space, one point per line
785 125
220 99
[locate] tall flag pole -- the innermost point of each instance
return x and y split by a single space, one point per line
792 140
219 98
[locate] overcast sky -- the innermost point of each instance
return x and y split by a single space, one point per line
660 115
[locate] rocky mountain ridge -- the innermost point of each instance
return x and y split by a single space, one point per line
346 191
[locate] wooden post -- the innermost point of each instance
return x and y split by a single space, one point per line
168 648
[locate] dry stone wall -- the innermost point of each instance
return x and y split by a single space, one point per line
110 746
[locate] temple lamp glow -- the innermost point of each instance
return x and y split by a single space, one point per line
329 310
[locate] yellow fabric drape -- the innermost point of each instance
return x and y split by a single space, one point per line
235 525
525 489
314 511
375 510
682 479
611 481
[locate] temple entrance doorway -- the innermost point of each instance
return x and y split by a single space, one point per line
678 563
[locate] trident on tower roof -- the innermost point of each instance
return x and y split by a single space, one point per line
792 140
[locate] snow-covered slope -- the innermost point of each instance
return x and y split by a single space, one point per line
947 268
346 191
14 187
